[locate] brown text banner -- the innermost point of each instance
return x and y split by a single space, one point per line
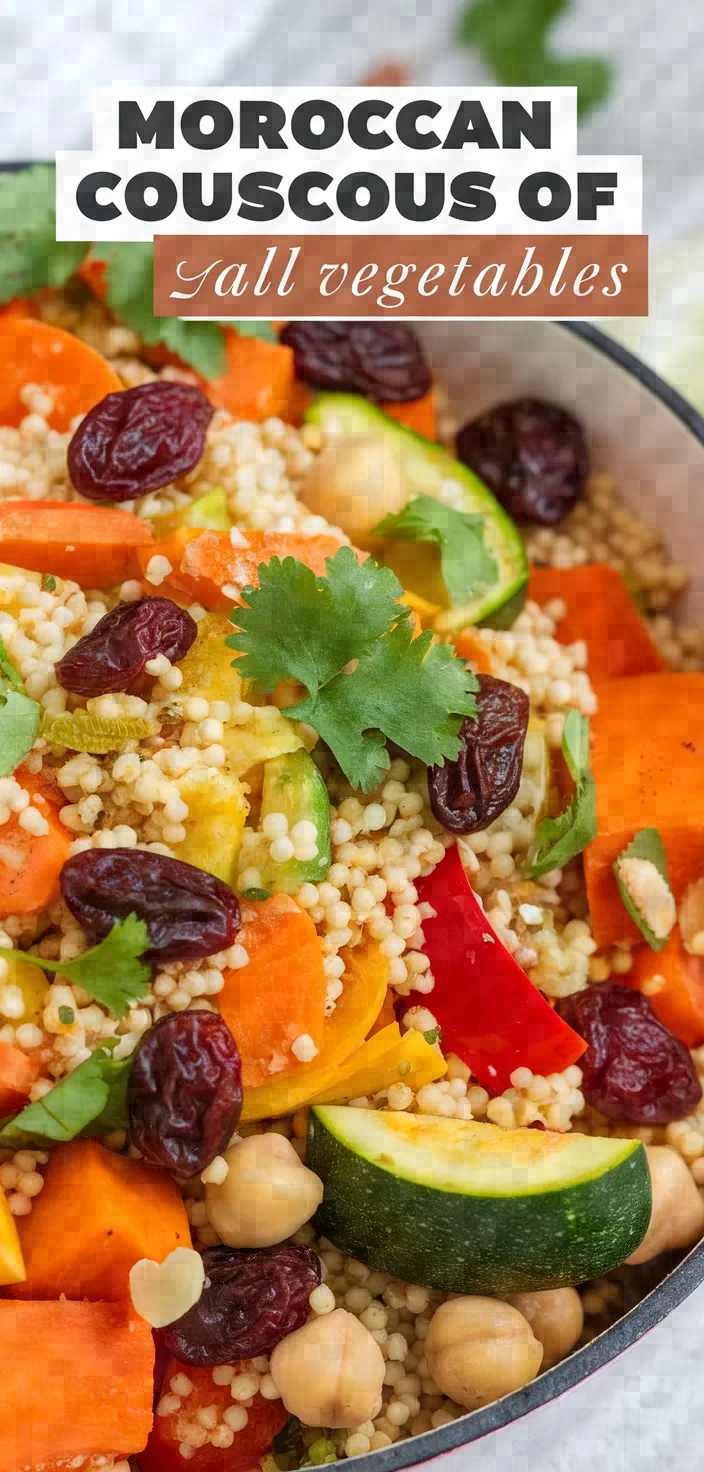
385 276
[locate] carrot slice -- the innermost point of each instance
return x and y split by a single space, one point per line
30 864
207 569
600 610
77 1381
98 1215
94 275
258 382
648 763
470 647
72 373
19 307
94 545
417 414
280 994
677 995
17 1074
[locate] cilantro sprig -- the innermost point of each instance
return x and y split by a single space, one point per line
560 839
465 563
113 971
31 257
346 638
20 717
513 39
92 1100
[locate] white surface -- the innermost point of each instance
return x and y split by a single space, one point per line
647 1410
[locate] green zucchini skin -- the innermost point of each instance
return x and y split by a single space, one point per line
485 1244
426 466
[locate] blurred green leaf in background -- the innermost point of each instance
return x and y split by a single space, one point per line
512 38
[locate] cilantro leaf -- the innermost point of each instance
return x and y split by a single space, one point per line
513 39
112 971
408 690
648 845
328 621
560 839
91 1100
30 254
466 565
130 292
20 719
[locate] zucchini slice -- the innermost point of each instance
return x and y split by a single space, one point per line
473 1208
429 470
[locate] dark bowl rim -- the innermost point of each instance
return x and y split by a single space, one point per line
687 1275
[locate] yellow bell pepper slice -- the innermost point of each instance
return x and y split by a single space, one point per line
33 985
12 1268
425 611
386 1058
365 983
217 811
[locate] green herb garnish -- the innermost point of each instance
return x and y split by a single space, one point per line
256 894
20 717
48 582
648 846
513 40
351 644
67 1016
91 1100
30 254
432 1035
558 840
465 563
112 971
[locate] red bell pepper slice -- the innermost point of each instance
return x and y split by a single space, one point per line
489 1011
265 1418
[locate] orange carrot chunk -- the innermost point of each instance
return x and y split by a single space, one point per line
77 1381
98 1215
417 414
470 647
673 981
258 382
30 864
648 764
205 566
17 1074
280 994
74 375
93 545
598 609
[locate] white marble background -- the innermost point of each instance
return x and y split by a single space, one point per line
647 1410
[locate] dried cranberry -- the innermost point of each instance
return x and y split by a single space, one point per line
468 793
251 1301
533 455
188 912
382 360
123 640
185 1091
137 440
634 1067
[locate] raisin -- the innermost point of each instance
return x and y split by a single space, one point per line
123 640
468 793
189 913
533 455
382 360
251 1300
138 440
185 1091
634 1068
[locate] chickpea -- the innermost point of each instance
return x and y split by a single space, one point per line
479 1349
556 1317
355 484
266 1195
677 1218
330 1372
